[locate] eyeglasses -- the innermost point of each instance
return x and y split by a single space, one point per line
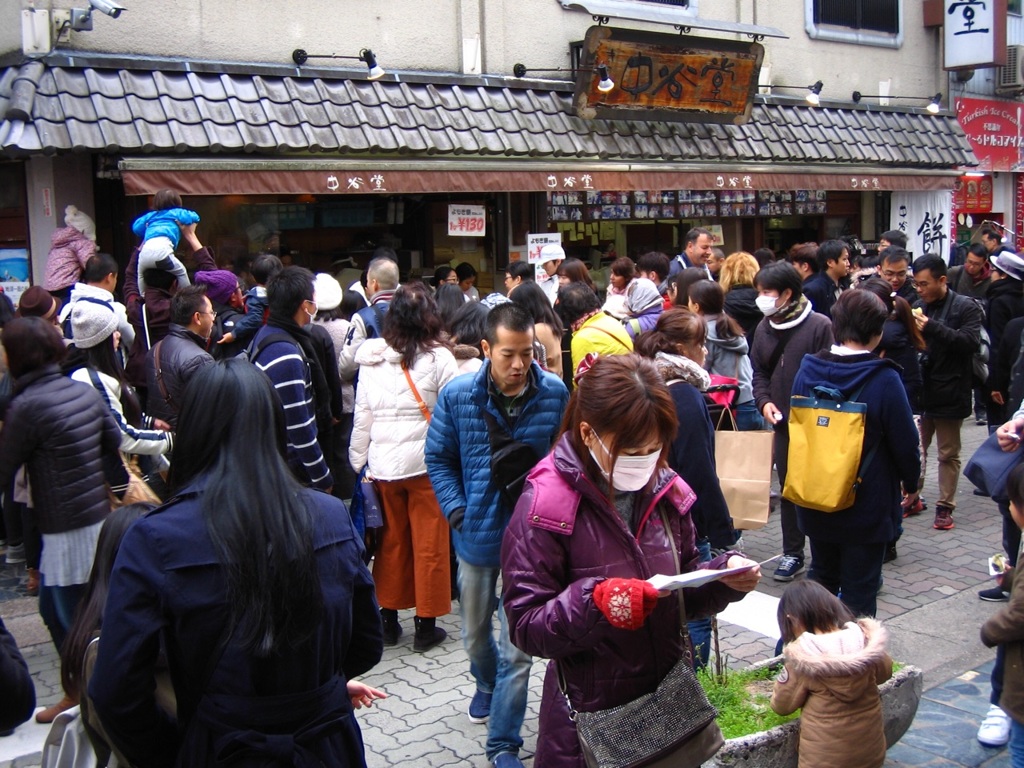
889 274
203 312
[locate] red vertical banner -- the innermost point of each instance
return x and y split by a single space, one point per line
1018 209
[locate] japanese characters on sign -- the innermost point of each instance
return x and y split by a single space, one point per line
534 243
1018 207
994 130
467 220
974 33
667 77
926 218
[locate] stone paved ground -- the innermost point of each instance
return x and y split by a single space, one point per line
928 600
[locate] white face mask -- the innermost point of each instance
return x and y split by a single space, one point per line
767 305
629 473
312 315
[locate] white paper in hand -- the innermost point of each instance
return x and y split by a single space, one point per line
699 578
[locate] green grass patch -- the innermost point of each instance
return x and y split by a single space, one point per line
743 701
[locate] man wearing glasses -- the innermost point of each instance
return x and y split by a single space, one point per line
951 325
895 270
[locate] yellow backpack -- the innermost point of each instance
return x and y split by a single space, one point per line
826 441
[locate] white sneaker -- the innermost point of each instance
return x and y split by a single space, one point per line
995 728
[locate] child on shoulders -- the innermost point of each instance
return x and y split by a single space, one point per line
833 667
160 232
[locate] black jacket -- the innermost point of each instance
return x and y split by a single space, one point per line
952 335
693 457
741 306
1006 367
821 292
182 353
898 347
227 316
19 697
62 430
1005 303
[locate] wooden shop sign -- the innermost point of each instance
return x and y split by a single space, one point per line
667 77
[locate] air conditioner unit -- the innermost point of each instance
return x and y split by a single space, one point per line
1011 76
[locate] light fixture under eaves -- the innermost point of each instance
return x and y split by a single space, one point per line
934 102
813 96
604 84
374 71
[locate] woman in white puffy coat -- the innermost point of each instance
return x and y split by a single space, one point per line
400 376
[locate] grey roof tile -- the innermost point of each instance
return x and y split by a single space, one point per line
104 82
214 111
78 108
173 84
152 111
112 109
182 111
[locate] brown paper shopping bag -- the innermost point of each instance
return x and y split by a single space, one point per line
744 463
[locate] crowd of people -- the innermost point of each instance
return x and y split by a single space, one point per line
536 454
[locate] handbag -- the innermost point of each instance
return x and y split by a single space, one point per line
989 467
137 491
743 463
672 727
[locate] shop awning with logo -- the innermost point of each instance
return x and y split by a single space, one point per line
219 128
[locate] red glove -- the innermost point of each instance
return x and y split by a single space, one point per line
626 603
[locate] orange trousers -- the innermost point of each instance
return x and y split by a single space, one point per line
412 567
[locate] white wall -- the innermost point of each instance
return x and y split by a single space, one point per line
427 36
69 181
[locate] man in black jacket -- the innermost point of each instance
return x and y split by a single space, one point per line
951 326
833 266
176 358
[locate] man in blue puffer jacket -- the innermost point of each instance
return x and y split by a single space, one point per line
511 397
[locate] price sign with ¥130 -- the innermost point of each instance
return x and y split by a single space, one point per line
467 221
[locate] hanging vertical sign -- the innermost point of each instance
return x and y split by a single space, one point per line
926 219
1018 207
974 33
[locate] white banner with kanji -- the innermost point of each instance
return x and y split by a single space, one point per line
926 218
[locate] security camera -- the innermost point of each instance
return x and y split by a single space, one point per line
112 9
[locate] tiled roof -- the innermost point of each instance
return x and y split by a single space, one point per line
58 108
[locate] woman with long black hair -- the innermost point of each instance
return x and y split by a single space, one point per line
253 586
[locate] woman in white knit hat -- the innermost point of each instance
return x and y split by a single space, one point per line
70 247
94 359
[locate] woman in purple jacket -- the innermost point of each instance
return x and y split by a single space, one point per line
586 534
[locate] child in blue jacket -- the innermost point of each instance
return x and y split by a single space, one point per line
160 233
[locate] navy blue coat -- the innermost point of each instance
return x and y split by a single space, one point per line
168 591
890 427
693 457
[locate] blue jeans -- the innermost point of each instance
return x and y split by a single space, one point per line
1016 744
57 607
748 418
499 668
700 629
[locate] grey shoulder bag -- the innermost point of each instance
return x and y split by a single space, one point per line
673 727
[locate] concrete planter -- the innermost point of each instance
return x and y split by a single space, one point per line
777 747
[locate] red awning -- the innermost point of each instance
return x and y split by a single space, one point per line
197 178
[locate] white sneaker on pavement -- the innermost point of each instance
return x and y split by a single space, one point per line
995 728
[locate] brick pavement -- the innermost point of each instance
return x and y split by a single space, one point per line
423 722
